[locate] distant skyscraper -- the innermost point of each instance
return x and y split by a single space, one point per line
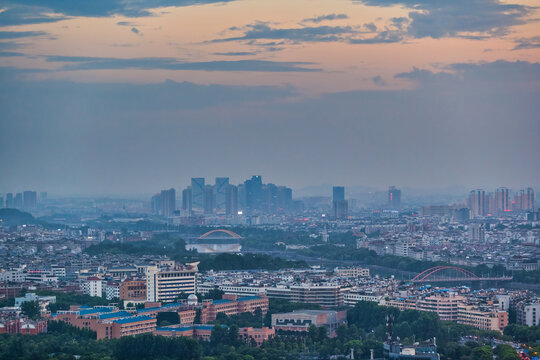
168 202
241 188
491 204
197 195
284 199
340 206
2 203
9 200
477 203
156 204
502 200
30 199
476 233
529 199
254 194
338 193
524 200
43 196
18 201
231 205
394 198
220 192
208 199
186 199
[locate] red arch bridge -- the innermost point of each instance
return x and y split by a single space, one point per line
444 273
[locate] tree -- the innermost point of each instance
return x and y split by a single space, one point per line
31 309
506 352
214 294
167 318
482 353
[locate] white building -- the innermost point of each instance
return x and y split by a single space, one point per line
41 276
351 298
112 291
92 286
167 283
13 275
529 314
353 272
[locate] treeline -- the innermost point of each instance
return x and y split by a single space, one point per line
174 247
248 262
523 333
160 244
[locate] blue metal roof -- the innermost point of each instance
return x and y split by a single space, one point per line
165 328
222 301
166 306
133 319
95 310
247 298
113 315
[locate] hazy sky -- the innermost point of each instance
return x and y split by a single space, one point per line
128 97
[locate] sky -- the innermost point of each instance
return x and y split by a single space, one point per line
132 96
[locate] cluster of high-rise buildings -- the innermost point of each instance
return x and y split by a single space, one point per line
26 200
340 206
224 198
499 202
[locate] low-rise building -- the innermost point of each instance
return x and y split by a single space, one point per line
233 305
301 320
257 335
132 290
324 295
482 318
353 272
22 325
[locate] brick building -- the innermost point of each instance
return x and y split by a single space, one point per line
133 290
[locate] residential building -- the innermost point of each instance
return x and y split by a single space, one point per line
529 314
167 283
92 286
301 320
132 290
325 295
482 318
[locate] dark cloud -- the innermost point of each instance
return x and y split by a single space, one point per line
318 19
378 80
20 34
10 54
39 11
236 53
19 14
136 138
263 31
439 18
135 30
371 27
530 43
256 34
96 63
383 37
500 71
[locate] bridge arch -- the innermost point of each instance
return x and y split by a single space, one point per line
424 275
225 231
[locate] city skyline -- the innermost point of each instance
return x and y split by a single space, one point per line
121 97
